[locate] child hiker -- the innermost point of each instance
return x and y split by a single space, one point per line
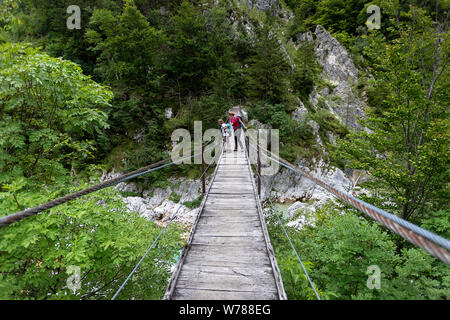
226 133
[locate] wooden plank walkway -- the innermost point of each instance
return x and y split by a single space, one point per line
228 254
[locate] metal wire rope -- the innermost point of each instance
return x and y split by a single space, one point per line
437 246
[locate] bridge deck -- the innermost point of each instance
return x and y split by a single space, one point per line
228 255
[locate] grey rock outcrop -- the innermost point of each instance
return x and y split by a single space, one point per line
287 185
337 65
156 204
305 37
303 218
339 71
300 113
262 5
265 5
168 113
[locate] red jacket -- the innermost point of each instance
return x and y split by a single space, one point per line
236 123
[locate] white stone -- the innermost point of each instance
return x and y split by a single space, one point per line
295 207
168 113
300 113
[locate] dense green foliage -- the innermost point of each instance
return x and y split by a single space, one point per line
338 250
406 149
76 101
49 112
96 234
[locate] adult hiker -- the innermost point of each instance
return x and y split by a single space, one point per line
226 133
237 123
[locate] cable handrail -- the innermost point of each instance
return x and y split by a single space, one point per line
143 257
434 244
290 242
15 217
155 241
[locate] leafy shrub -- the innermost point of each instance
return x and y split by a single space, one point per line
194 203
49 112
95 233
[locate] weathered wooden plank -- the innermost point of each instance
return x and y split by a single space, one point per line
243 231
230 190
230 197
243 184
226 204
228 208
233 225
246 243
233 169
227 270
200 294
207 260
221 206
227 256
235 198
214 212
233 164
200 279
229 157
220 202
227 176
224 172
234 154
233 159
231 187
230 229
233 179
231 251
227 240
220 219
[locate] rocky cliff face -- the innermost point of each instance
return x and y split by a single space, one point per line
342 100
339 71
264 5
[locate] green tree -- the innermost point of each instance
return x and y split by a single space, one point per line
307 71
128 56
188 60
127 45
342 248
223 77
267 70
6 12
420 276
49 113
406 149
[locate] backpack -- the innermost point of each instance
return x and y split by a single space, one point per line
236 123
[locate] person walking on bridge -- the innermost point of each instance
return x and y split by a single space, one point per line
226 133
237 123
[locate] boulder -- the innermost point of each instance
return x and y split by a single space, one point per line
300 113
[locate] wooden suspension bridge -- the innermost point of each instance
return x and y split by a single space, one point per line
228 254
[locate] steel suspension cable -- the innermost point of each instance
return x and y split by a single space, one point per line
153 244
290 242
437 246
143 257
9 219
